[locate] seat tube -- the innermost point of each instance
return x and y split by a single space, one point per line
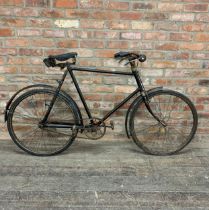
54 97
79 92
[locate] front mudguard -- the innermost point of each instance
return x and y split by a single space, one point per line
131 107
40 86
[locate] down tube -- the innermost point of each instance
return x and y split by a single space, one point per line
120 104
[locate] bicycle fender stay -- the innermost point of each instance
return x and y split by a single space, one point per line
40 86
131 107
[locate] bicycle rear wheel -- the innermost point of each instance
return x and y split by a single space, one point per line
24 118
180 116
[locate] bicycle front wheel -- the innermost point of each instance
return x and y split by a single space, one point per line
179 115
24 119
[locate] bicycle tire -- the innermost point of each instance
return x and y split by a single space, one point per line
48 140
152 143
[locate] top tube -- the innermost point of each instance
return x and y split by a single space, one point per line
93 69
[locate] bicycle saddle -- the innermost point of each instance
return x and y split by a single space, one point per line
64 57
50 61
130 56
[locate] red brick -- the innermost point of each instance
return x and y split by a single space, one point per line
170 7
202 17
68 43
92 23
31 70
28 32
117 5
200 56
114 98
36 60
130 15
188 64
167 26
18 60
37 3
193 27
124 89
5 11
43 42
84 52
80 34
77 13
143 6
91 44
16 22
199 74
179 56
155 36
203 100
91 4
182 17
26 12
42 23
105 53
116 80
118 44
192 46
66 3
8 51
160 82
180 37
202 37
20 42
106 34
12 2
130 35
1 60
105 15
48 52
52 13
54 33
6 32
93 97
90 62
197 90
103 89
185 82
155 16
196 8
117 24
167 46
164 64
29 52
8 69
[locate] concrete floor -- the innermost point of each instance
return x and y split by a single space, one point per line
104 174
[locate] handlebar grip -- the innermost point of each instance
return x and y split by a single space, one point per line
142 58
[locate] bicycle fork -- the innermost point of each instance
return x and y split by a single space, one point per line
146 98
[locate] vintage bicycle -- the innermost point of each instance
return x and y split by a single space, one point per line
44 120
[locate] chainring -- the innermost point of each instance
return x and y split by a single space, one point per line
93 130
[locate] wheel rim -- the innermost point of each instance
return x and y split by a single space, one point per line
25 124
152 136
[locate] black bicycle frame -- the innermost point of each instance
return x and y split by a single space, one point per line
70 69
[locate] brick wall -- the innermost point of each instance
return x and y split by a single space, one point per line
173 34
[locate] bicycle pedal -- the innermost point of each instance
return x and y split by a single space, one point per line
112 125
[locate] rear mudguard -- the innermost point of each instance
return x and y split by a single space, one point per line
139 98
40 86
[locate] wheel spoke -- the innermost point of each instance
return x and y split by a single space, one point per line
156 139
28 110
